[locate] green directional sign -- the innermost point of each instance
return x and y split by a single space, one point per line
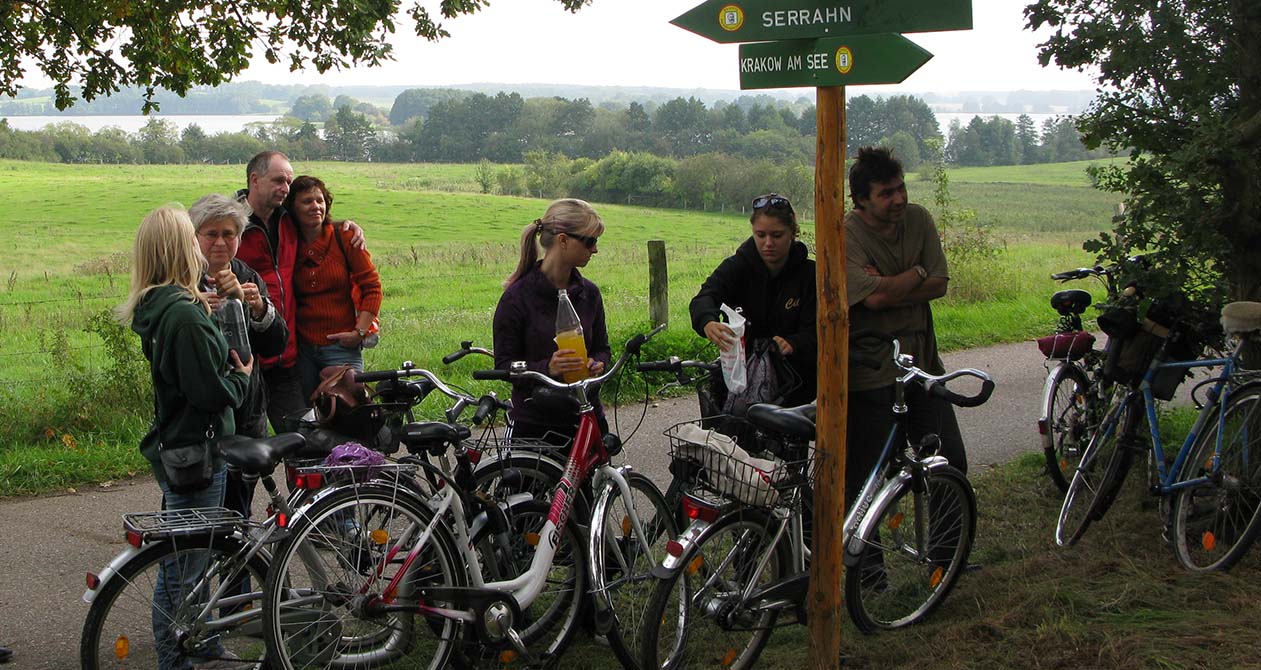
765 20
834 61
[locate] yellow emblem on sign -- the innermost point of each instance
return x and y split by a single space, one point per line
731 18
844 60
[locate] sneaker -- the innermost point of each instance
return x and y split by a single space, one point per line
224 660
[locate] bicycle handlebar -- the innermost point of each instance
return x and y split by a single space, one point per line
519 371
409 370
676 365
934 384
466 348
938 388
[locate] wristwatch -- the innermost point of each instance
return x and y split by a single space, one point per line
919 270
363 332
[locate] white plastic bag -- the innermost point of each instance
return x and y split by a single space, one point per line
733 471
733 370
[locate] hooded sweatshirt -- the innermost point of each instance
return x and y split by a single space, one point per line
193 387
782 305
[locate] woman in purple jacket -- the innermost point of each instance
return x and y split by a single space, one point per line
525 320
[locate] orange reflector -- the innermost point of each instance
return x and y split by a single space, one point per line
626 526
122 647
507 656
1208 540
729 658
1063 463
532 539
895 521
379 536
936 578
695 566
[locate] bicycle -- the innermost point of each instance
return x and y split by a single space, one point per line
1212 487
1076 392
744 560
202 552
427 581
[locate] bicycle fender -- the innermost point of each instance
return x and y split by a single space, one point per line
1059 370
110 570
688 540
853 544
482 518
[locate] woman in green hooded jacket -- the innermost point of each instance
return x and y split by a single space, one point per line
195 386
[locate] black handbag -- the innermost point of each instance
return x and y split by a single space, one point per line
188 468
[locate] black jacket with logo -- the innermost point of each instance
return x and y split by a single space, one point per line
782 305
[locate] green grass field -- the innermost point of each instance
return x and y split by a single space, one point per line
443 250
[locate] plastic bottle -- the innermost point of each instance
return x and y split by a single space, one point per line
569 335
232 322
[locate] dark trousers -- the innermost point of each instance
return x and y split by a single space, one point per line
284 395
870 418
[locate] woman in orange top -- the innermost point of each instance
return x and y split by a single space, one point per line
336 285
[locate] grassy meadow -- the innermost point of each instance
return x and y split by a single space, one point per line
442 249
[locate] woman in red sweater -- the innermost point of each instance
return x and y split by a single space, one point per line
336 285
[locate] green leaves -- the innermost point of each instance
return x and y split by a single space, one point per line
92 48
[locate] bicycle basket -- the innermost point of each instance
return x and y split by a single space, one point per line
730 472
1071 346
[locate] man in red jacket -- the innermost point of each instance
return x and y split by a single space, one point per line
269 245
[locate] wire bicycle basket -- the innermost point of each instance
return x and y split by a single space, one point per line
724 469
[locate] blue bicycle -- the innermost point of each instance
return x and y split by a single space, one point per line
1212 487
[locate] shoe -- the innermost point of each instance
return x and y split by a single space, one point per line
6 654
224 660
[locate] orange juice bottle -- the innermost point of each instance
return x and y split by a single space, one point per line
569 335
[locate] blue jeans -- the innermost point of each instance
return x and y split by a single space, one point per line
176 576
312 359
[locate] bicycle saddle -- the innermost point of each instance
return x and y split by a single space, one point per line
1239 318
795 422
1071 301
259 457
433 436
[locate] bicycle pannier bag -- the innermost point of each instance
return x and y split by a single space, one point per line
337 393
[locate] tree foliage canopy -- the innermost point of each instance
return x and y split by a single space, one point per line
1180 91
99 46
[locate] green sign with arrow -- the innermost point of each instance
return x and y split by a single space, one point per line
835 61
729 21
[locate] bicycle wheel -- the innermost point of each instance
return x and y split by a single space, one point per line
1067 428
534 472
695 617
913 555
1215 523
622 568
329 574
131 624
552 619
1102 469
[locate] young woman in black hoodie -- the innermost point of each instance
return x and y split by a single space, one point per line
772 279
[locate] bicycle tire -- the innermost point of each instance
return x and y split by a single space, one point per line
909 563
1215 523
539 475
317 622
1102 469
621 569
554 616
693 618
119 625
1067 415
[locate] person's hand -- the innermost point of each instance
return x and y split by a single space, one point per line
785 347
213 299
349 339
254 298
227 285
872 271
564 360
595 367
238 366
356 240
720 335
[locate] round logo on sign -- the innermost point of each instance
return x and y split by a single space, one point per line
844 60
731 18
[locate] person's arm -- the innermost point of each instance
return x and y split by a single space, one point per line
357 240
599 353
510 327
720 287
904 288
363 274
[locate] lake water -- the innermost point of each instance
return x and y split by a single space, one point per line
233 123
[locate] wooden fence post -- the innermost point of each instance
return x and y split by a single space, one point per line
658 283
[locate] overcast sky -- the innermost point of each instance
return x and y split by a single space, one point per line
632 43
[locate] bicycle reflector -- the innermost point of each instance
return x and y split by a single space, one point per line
308 480
135 539
1042 429
699 510
93 581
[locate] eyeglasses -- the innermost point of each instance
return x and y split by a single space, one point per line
771 201
228 236
589 242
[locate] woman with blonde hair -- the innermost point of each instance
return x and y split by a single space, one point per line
525 320
195 386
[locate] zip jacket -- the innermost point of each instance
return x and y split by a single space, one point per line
275 267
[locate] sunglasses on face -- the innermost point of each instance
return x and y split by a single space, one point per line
774 201
587 241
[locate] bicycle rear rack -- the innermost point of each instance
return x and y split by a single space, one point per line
192 521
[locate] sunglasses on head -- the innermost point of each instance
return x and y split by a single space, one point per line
771 201
587 241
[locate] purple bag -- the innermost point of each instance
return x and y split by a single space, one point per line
353 453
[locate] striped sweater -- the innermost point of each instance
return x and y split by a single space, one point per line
322 282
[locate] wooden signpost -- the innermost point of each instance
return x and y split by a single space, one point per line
828 45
